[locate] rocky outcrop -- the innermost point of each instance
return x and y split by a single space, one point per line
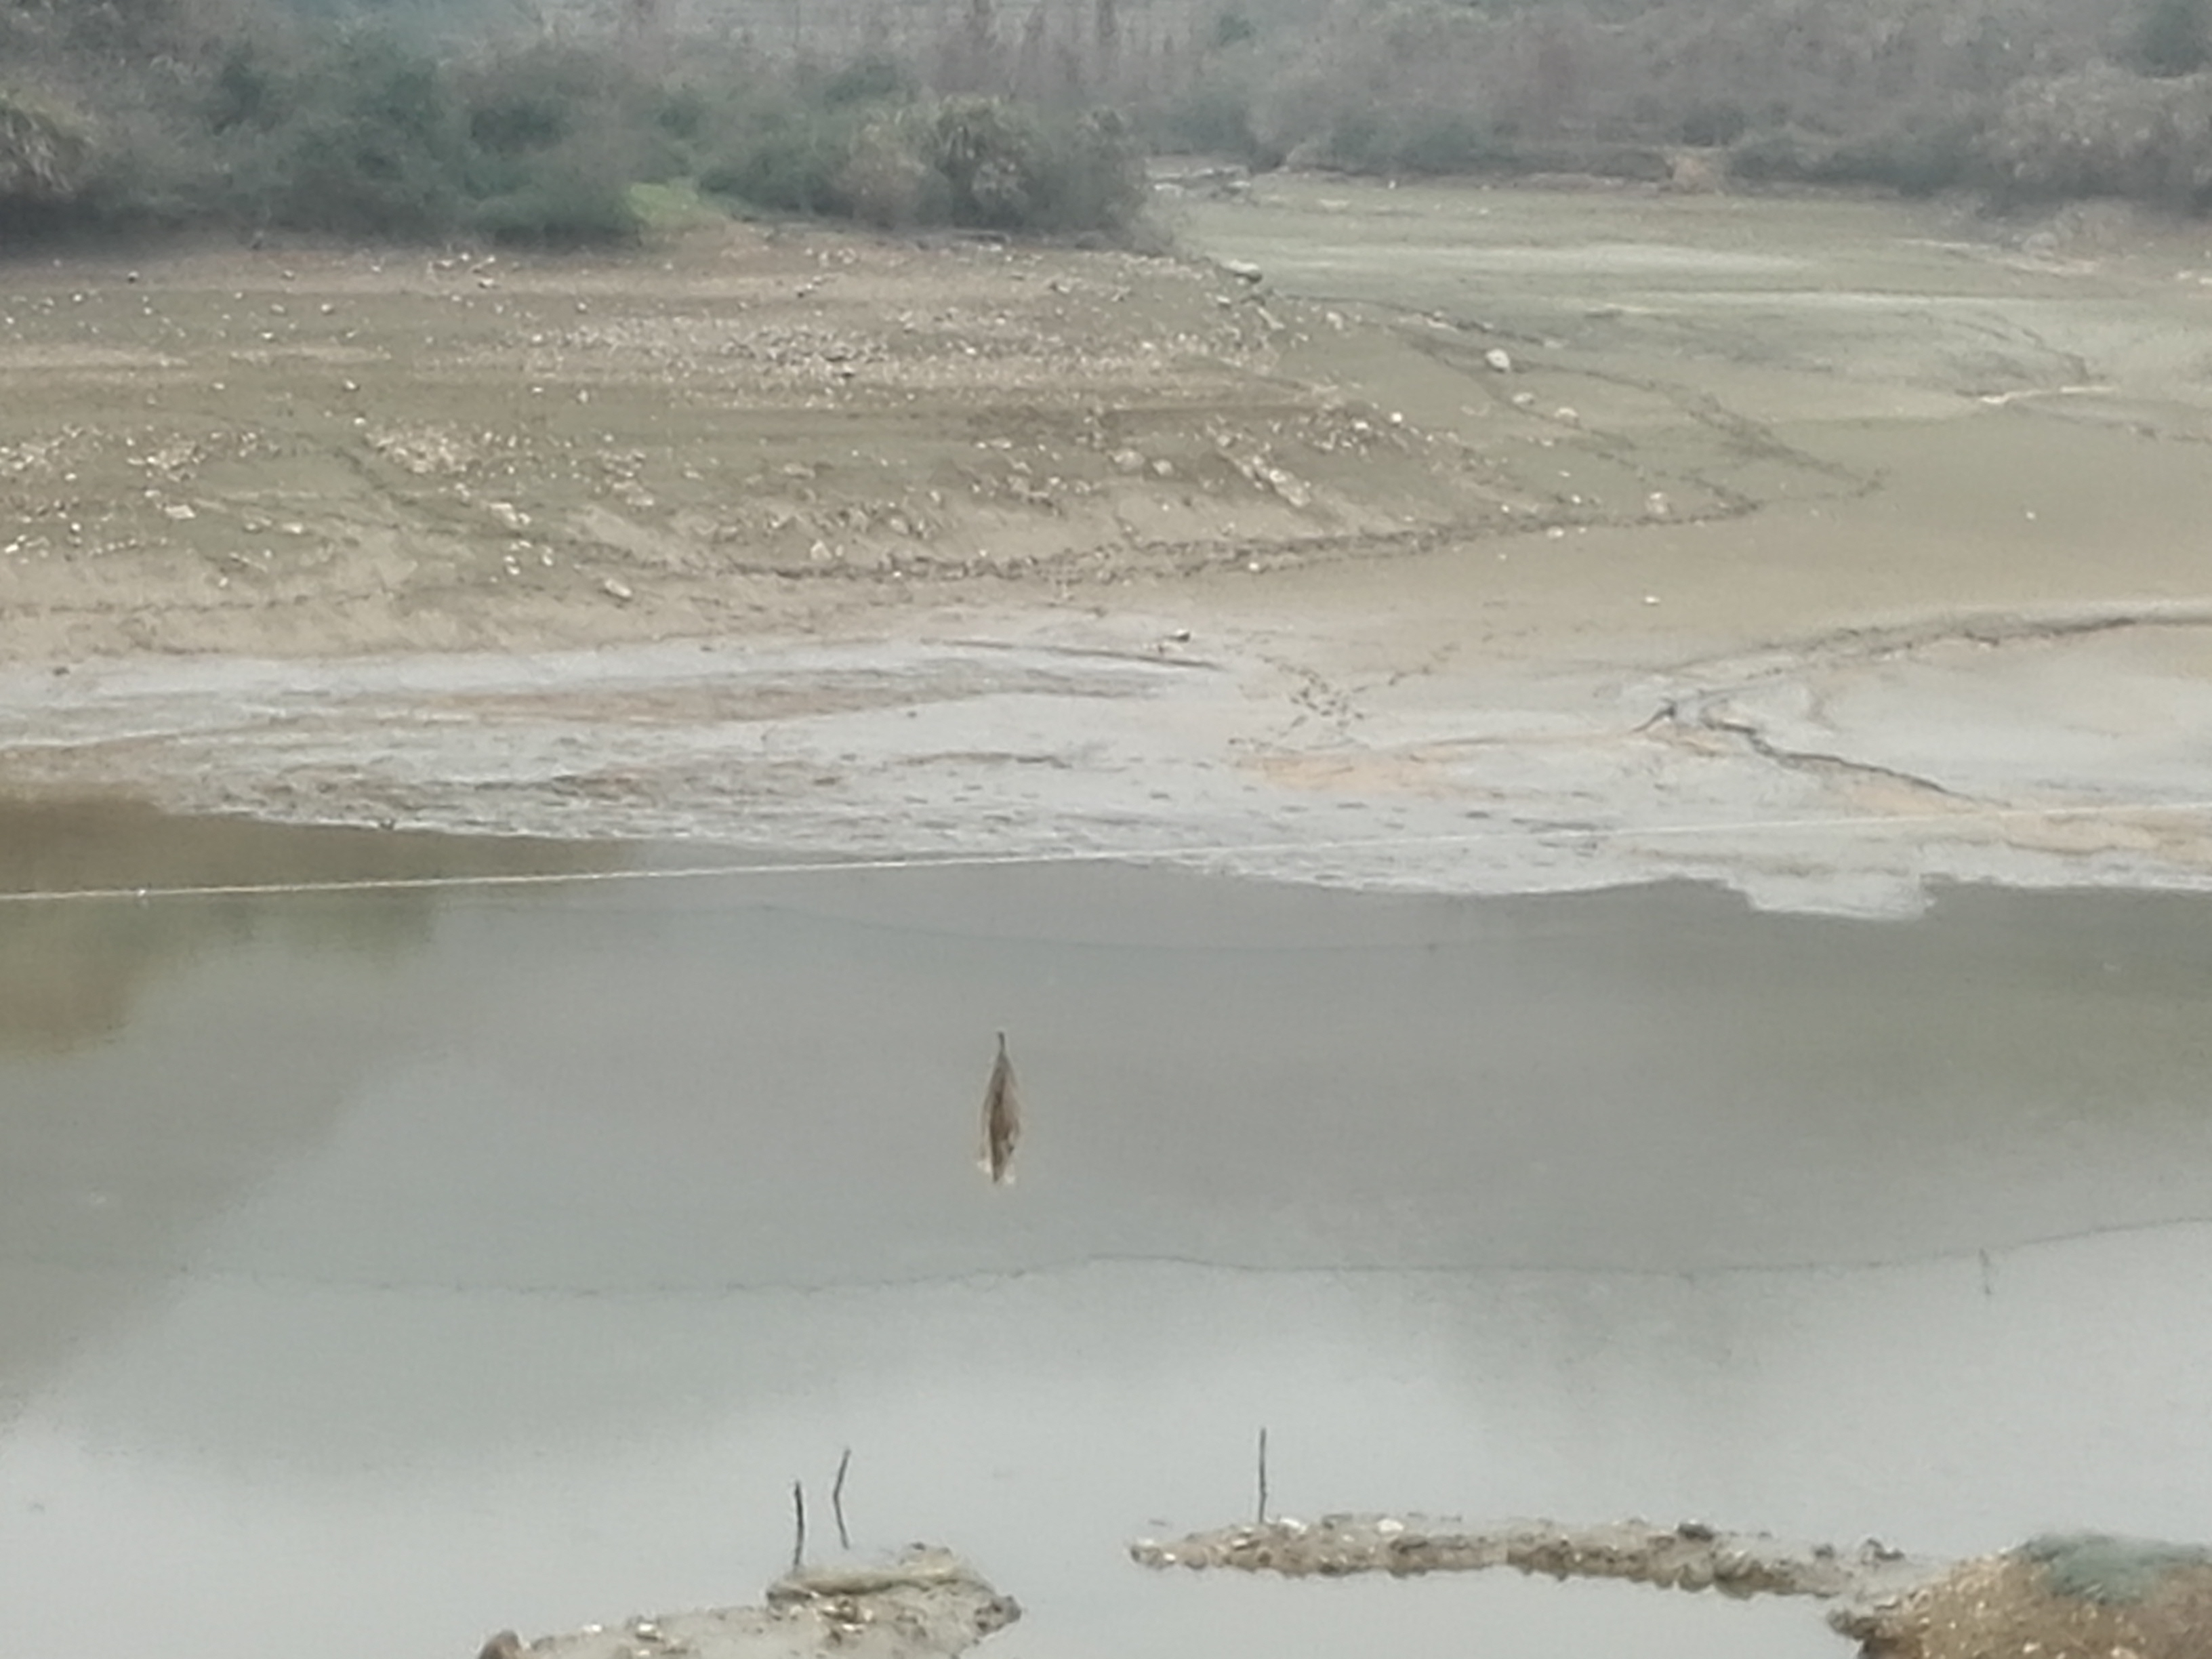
2080 1596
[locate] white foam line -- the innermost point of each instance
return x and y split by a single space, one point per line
1130 855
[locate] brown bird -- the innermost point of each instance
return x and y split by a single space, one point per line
1002 1119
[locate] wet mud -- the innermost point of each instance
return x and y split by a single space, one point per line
1444 538
1491 544
2084 1593
926 1604
1688 1556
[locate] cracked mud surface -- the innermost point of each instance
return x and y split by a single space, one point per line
1820 548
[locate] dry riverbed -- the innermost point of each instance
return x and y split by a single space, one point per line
1443 539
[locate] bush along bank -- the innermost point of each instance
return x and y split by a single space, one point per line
281 123
2025 100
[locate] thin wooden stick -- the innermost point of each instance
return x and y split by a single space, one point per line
798 1526
837 1499
1262 1516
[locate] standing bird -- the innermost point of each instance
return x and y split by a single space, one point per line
1002 1119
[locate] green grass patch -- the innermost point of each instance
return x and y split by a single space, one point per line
666 208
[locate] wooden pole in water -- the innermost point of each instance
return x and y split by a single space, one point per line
837 1499
798 1526
1260 1517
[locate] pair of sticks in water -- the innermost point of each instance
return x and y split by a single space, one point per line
1002 1129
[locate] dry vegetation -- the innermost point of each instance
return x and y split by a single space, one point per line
2020 97
405 119
255 114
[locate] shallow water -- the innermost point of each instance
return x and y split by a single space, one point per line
396 1265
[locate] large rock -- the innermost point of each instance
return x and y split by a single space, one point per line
2079 1595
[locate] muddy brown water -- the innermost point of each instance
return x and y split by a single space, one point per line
384 1268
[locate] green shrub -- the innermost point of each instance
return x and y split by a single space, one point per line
2174 37
2103 131
527 101
557 136
375 144
1009 167
874 77
663 209
684 112
1446 141
1212 117
1915 158
251 88
570 194
887 180
988 163
47 155
1781 155
787 159
1708 124
988 154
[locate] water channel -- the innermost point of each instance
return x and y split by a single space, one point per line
385 1267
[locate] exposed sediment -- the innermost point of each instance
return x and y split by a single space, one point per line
2069 1596
926 1604
1687 1556
2076 1594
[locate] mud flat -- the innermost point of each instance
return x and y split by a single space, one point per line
926 1604
2074 1594
1688 1556
1442 539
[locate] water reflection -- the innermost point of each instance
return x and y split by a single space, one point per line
171 1056
510 1278
69 972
